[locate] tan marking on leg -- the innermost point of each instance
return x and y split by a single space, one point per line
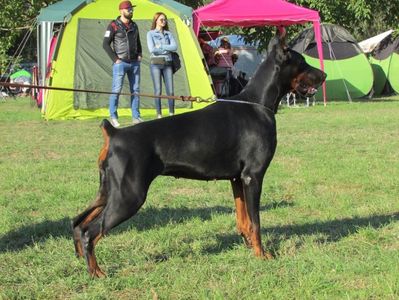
94 269
256 241
92 215
243 225
242 217
76 234
257 244
77 243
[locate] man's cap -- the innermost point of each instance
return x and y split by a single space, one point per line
126 5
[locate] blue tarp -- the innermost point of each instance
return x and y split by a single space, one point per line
234 40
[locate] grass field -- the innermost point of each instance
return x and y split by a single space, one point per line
329 212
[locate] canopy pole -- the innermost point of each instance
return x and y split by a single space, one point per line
318 36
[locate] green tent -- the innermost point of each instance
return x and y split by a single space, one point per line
349 74
385 62
80 62
21 73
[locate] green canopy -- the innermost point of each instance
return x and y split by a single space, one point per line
185 12
61 11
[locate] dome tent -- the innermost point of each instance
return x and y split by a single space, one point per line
80 62
349 74
385 62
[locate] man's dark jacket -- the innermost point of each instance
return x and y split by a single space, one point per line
125 40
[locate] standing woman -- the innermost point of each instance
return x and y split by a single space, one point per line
161 44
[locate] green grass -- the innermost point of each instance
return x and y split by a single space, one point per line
329 211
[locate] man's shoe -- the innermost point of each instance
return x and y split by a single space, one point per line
115 123
159 116
137 120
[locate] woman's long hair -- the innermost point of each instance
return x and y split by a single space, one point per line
155 19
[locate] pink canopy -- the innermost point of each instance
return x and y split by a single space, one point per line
249 13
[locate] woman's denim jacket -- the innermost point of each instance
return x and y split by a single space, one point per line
161 44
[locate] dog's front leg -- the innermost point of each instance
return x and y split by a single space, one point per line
242 218
252 187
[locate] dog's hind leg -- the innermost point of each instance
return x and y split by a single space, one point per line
90 235
82 220
99 203
242 218
121 205
252 186
89 215
119 209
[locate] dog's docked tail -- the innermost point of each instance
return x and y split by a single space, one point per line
108 131
105 124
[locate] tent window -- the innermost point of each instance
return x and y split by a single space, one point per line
93 68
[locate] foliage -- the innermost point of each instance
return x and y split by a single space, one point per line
17 20
195 4
362 18
329 211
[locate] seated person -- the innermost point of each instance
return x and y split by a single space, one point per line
207 50
225 59
224 54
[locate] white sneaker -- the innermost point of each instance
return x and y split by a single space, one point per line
159 116
115 123
137 120
171 114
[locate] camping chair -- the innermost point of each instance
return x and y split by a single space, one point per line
288 97
221 80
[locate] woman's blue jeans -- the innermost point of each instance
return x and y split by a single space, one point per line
157 72
119 71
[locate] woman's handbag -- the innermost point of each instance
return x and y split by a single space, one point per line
157 60
176 64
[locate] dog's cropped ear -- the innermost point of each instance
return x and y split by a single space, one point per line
277 43
278 39
272 44
282 34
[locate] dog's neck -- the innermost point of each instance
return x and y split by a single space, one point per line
264 87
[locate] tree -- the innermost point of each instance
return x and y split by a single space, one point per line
194 4
362 18
17 22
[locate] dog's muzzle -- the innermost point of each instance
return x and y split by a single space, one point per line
303 91
311 91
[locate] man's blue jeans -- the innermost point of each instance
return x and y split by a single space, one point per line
157 72
118 74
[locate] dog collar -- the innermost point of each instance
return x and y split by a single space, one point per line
245 102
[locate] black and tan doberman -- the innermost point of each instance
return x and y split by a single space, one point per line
225 140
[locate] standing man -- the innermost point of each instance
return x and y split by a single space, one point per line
126 54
